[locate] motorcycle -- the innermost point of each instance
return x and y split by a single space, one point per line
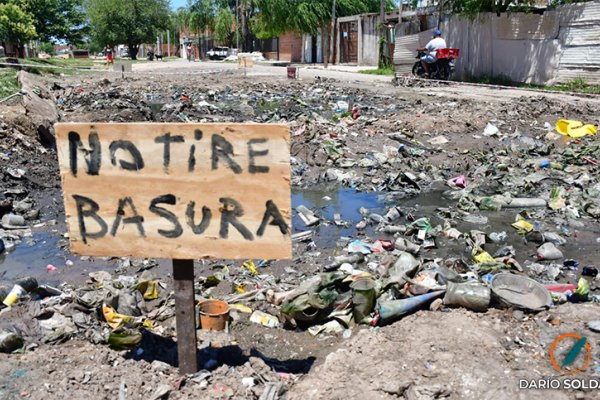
442 69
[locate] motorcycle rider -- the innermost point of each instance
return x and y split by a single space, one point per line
431 48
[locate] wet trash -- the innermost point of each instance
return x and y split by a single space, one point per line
20 289
264 319
307 216
406 245
16 173
124 340
475 219
571 265
473 296
589 271
363 298
574 129
481 256
13 221
459 181
582 291
556 202
392 310
358 246
490 130
522 226
350 259
302 236
51 268
498 237
10 341
119 321
520 291
548 251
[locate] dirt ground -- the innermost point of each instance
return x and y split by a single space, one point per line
451 353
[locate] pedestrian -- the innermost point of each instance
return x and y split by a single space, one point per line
188 50
109 54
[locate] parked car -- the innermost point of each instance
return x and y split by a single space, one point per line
218 53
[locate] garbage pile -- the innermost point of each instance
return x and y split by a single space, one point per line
128 314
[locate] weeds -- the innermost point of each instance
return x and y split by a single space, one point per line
8 82
576 85
379 71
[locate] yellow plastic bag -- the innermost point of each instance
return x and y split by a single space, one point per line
481 256
118 321
523 226
249 265
574 129
149 289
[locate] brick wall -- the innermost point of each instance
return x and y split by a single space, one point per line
290 47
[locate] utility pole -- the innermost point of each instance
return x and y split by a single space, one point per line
169 43
332 37
385 49
237 25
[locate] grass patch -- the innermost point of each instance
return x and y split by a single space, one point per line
379 71
45 65
577 85
8 82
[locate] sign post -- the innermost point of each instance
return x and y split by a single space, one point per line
183 277
178 191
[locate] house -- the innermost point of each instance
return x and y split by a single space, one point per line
286 48
357 37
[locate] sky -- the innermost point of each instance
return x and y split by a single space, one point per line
175 4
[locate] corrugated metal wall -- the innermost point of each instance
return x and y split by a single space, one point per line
556 46
580 43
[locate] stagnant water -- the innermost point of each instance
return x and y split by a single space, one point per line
32 255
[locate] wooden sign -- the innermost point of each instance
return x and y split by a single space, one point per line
182 191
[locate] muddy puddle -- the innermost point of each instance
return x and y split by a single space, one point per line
339 211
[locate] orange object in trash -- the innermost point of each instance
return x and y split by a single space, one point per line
213 315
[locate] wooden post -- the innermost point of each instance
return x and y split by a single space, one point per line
185 316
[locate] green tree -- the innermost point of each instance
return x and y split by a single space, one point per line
276 17
178 22
131 22
202 19
57 19
224 25
16 25
47 48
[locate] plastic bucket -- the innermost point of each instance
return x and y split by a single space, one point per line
292 72
214 315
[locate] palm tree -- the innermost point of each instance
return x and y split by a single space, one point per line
201 18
